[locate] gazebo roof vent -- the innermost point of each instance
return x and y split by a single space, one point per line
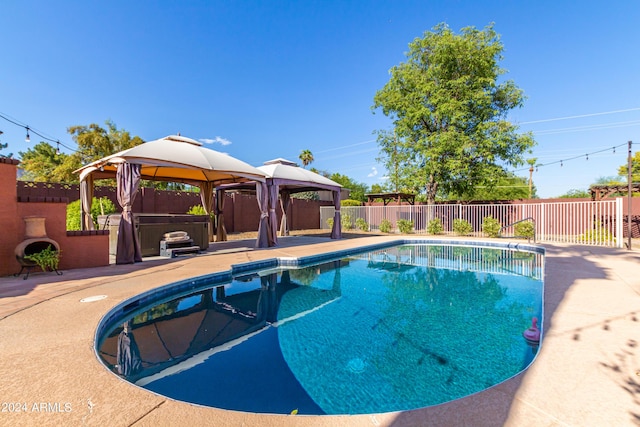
280 161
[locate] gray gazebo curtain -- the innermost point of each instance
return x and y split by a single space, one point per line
285 202
336 231
262 195
128 247
273 217
206 196
221 231
86 197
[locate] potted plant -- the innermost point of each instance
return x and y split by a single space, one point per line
47 259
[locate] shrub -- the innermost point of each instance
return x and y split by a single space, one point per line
385 226
435 226
361 224
405 226
597 235
196 210
350 202
462 227
346 221
491 226
330 223
99 206
524 229
199 210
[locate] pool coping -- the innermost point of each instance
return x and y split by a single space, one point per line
579 377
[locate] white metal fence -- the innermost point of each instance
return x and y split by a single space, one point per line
582 222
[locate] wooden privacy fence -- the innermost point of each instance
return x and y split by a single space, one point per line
579 222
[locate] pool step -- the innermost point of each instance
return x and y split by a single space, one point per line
174 252
173 249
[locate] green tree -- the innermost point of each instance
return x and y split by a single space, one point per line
95 142
635 168
449 112
393 154
306 157
504 187
3 146
41 162
576 194
611 180
377 189
358 189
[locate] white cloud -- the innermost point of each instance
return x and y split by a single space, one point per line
373 172
216 140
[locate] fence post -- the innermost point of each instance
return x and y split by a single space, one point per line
543 222
619 220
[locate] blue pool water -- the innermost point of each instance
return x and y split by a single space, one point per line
387 330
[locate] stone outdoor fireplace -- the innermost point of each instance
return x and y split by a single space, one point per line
36 240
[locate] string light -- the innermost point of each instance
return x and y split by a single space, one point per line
28 137
573 158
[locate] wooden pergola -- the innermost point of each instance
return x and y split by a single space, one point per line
599 192
391 197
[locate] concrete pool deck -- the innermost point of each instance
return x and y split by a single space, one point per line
587 372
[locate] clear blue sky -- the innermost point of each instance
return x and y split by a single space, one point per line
268 79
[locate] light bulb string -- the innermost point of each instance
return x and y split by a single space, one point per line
563 161
35 132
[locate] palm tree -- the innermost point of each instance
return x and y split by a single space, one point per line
306 157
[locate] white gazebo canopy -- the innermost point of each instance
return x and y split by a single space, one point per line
285 177
172 158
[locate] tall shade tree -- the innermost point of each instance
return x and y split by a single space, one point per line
449 113
41 162
396 158
2 147
504 187
635 168
95 142
306 157
357 190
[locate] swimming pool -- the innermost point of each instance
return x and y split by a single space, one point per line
391 329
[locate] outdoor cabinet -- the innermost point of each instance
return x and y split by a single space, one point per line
152 227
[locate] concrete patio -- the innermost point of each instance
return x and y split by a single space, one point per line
587 372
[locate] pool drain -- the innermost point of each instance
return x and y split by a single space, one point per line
356 365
